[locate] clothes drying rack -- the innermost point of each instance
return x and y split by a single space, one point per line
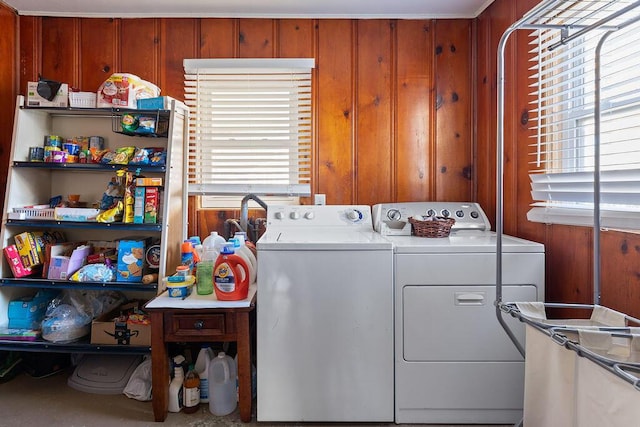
579 339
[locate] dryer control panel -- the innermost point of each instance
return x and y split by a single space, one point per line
392 219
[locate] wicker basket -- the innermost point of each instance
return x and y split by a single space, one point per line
439 227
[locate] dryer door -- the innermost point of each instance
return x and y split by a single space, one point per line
458 323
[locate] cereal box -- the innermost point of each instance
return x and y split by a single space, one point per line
151 203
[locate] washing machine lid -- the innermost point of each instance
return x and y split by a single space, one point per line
322 238
467 241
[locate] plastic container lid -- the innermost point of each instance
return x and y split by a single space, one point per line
103 374
227 249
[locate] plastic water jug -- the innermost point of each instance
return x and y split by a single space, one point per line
222 385
205 355
230 275
240 248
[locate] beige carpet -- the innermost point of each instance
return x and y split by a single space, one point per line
51 402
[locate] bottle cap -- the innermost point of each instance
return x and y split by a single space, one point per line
228 248
186 247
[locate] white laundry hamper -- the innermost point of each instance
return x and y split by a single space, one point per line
580 372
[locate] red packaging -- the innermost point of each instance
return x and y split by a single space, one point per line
13 257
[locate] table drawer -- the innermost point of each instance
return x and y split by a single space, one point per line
197 325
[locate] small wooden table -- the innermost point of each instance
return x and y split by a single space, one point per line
199 325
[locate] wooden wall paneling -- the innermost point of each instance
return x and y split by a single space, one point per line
296 38
179 40
8 88
30 38
569 258
454 98
139 48
60 50
374 132
485 140
256 38
620 272
98 51
334 161
219 38
414 113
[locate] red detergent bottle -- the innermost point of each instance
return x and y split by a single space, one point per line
230 275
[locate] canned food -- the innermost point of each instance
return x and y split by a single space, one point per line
36 154
71 148
52 141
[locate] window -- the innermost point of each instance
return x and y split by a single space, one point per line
567 143
250 128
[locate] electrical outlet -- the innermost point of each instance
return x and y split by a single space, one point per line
319 199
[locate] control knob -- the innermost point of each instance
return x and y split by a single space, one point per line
278 215
309 215
294 215
354 215
394 214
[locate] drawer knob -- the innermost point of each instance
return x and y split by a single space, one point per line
198 324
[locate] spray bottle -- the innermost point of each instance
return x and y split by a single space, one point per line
175 387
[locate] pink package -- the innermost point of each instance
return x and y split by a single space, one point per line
13 257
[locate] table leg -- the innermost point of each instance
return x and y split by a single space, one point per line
244 366
159 368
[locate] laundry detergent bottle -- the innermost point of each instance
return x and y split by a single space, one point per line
230 275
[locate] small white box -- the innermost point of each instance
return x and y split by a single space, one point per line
35 100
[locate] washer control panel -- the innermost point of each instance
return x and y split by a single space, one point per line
319 215
393 218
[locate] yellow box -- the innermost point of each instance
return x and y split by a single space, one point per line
149 182
28 249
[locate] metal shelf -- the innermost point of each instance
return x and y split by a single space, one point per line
93 167
76 347
85 225
65 284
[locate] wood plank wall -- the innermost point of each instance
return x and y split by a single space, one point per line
404 110
393 99
569 250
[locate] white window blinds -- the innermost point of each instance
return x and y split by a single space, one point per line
250 127
567 143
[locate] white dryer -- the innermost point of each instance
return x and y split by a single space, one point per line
454 364
324 316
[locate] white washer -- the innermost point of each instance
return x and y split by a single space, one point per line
454 364
324 316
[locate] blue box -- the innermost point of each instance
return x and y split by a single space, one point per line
157 103
130 260
28 312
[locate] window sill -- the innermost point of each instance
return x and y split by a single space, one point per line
618 220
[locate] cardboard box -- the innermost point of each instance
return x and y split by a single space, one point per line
13 258
151 203
61 267
28 312
122 327
149 182
138 205
30 251
130 260
35 100
156 103
76 214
